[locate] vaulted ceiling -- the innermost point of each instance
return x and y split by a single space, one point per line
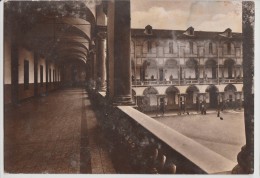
59 30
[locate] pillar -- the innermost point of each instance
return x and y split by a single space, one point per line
122 63
102 71
245 157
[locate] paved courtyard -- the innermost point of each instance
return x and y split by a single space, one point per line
225 137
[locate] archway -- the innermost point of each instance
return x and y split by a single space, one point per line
171 95
211 68
213 96
191 95
192 70
171 66
229 68
150 98
230 95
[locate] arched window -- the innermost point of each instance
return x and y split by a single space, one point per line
210 48
191 47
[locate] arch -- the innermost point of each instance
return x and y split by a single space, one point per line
172 95
212 87
211 68
171 63
192 70
191 95
172 89
150 98
230 95
230 87
213 96
229 65
150 90
149 69
192 88
229 62
172 67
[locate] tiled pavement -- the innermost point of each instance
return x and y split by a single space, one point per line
54 134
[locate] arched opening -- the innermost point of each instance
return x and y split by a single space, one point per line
150 70
230 96
150 99
192 71
172 97
213 96
211 68
229 68
171 69
191 96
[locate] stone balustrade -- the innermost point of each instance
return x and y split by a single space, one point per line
140 144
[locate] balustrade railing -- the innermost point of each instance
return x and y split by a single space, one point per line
140 144
187 81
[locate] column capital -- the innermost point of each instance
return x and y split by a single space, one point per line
102 35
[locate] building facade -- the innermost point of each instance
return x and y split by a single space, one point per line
185 68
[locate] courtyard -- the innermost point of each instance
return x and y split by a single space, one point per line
225 137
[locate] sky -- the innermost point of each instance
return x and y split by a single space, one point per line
202 15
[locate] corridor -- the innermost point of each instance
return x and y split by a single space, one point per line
57 133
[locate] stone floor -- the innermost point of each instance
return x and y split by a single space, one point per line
57 133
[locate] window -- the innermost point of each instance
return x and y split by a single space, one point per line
50 75
191 47
210 48
229 48
149 46
53 76
26 74
171 47
41 75
191 31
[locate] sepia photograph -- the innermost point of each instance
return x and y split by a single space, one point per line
128 87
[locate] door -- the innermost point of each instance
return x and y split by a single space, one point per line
213 98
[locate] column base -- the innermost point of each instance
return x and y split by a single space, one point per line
123 100
245 161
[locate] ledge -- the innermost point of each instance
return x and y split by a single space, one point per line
206 159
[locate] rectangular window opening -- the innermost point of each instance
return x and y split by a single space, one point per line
26 74
50 75
41 75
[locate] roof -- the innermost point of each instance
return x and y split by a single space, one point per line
158 33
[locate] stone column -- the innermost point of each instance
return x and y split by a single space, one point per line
122 62
245 157
102 60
